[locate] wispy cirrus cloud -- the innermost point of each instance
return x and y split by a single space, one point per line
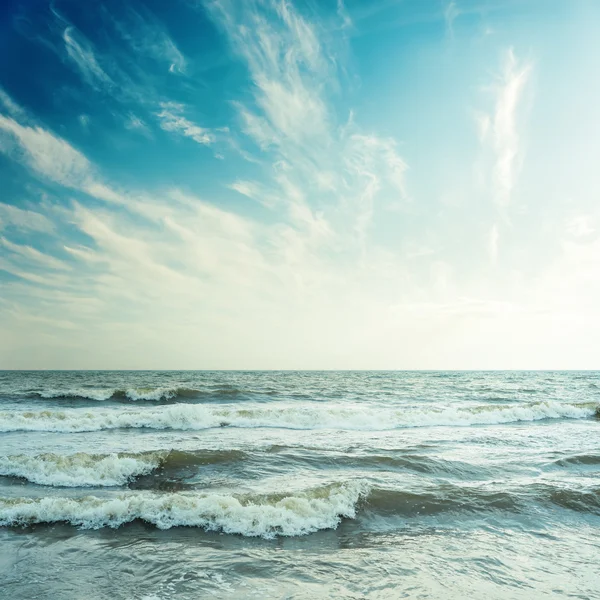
23 219
451 12
148 36
10 106
171 118
52 158
501 136
81 54
45 153
135 123
499 130
287 67
33 255
327 173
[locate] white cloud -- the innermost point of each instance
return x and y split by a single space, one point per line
10 105
84 121
493 241
24 219
33 276
500 129
253 190
148 36
324 178
45 153
53 158
32 255
287 66
346 21
172 119
135 123
451 12
80 52
581 226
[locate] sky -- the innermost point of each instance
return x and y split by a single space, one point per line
319 184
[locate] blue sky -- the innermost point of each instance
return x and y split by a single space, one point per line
379 185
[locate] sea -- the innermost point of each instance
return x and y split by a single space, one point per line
156 485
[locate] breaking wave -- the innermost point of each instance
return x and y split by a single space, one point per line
265 516
197 417
289 514
94 470
151 394
81 469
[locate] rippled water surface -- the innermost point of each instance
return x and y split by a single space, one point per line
158 485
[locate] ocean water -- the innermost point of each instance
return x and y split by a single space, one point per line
173 485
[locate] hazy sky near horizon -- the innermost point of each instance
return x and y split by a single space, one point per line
311 184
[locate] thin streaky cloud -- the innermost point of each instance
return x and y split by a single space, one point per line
503 126
13 216
171 118
31 254
82 56
148 36
451 12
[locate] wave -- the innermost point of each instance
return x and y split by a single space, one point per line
418 463
95 470
198 417
579 459
442 498
152 394
573 499
299 513
290 514
81 469
447 497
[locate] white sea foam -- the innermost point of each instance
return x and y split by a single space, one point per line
104 394
317 416
99 394
299 513
81 469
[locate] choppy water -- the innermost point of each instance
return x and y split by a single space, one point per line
159 485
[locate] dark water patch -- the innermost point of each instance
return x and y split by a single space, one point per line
161 482
448 498
578 459
441 499
180 458
380 462
178 467
583 501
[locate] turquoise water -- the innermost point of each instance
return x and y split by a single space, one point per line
157 485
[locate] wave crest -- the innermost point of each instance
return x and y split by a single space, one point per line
265 516
289 514
80 469
105 470
151 394
198 417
